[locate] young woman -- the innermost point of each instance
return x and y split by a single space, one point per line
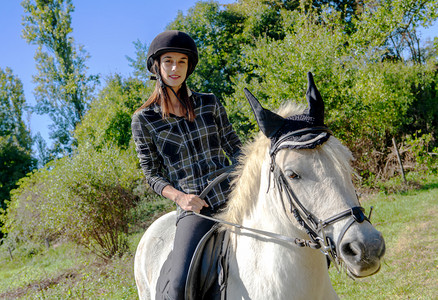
183 140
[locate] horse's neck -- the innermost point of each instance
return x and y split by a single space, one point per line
271 269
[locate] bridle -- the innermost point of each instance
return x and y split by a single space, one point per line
314 226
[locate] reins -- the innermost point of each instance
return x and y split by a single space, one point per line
295 241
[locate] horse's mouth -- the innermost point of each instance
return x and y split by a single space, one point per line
356 276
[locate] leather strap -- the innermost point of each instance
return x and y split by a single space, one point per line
296 241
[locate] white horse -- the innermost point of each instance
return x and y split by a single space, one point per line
319 186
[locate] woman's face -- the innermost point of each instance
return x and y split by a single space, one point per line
173 67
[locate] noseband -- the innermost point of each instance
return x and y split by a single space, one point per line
314 227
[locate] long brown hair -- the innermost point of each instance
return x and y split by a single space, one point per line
161 97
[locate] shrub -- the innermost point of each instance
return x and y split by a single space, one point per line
86 198
425 157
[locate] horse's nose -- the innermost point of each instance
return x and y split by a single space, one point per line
363 256
360 250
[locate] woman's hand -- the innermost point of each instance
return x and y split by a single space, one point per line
188 202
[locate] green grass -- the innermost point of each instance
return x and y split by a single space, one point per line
32 268
407 218
68 272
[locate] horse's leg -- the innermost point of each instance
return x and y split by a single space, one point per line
152 251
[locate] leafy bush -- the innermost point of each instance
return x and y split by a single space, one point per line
426 158
86 198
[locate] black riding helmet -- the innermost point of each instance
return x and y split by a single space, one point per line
173 41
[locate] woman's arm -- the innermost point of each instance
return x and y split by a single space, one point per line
150 161
229 139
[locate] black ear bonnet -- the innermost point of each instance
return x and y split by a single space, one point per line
305 131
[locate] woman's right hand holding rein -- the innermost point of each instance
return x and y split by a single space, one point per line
187 202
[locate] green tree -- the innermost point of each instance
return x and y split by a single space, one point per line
12 108
222 32
63 88
218 35
368 101
139 63
390 26
108 121
15 139
348 9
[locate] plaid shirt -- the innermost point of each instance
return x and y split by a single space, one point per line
187 155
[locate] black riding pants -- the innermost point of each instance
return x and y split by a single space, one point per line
189 231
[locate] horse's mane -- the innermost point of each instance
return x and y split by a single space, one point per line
246 185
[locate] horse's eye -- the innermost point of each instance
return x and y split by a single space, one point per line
292 175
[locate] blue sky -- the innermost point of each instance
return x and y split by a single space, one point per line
107 29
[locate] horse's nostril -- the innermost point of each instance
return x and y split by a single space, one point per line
351 249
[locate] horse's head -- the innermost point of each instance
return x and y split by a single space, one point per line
311 171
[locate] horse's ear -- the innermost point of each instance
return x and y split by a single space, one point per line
269 122
314 99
